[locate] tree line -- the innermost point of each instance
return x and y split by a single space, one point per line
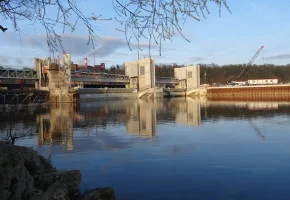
227 73
213 73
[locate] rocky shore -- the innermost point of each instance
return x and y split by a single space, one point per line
25 175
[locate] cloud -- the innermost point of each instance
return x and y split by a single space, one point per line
196 59
107 47
18 61
11 60
278 57
74 44
4 59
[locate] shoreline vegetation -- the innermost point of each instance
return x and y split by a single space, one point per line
214 73
25 175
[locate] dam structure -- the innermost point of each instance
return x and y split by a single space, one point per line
56 81
139 81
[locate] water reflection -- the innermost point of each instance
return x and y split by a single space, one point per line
139 117
64 121
142 119
56 127
212 149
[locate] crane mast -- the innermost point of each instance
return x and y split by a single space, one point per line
251 61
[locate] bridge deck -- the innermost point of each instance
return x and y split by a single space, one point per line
31 74
18 74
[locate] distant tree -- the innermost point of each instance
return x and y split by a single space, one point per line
154 20
225 73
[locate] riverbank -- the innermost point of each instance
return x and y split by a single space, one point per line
25 175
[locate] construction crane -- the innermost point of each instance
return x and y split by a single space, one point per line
250 63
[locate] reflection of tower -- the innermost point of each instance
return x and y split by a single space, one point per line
188 112
147 118
142 119
58 127
44 136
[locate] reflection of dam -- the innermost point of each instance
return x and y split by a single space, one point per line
56 128
250 105
140 118
189 112
84 126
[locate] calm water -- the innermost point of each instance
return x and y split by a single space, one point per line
167 149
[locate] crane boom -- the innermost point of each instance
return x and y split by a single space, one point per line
251 61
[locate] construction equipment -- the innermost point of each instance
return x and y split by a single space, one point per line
250 63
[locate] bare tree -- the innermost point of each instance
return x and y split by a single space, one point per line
13 134
159 20
153 20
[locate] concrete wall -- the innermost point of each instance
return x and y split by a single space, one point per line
180 73
189 77
60 82
55 78
144 70
42 66
193 77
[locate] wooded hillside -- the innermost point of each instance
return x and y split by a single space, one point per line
222 74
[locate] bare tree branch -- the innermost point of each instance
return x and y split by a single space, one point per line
153 20
13 134
160 20
3 29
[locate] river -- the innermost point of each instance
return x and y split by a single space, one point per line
179 148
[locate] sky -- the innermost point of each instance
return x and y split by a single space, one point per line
231 38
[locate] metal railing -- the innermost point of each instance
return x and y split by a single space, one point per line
164 80
18 73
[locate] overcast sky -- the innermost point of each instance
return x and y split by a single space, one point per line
232 38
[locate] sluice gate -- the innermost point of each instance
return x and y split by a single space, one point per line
248 93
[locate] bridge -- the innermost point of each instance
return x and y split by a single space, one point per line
17 78
30 76
10 73
66 84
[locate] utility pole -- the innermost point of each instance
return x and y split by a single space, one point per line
205 76
94 59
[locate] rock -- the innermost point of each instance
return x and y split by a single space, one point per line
16 181
57 191
24 175
100 194
34 162
43 181
37 195
71 180
31 159
47 166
